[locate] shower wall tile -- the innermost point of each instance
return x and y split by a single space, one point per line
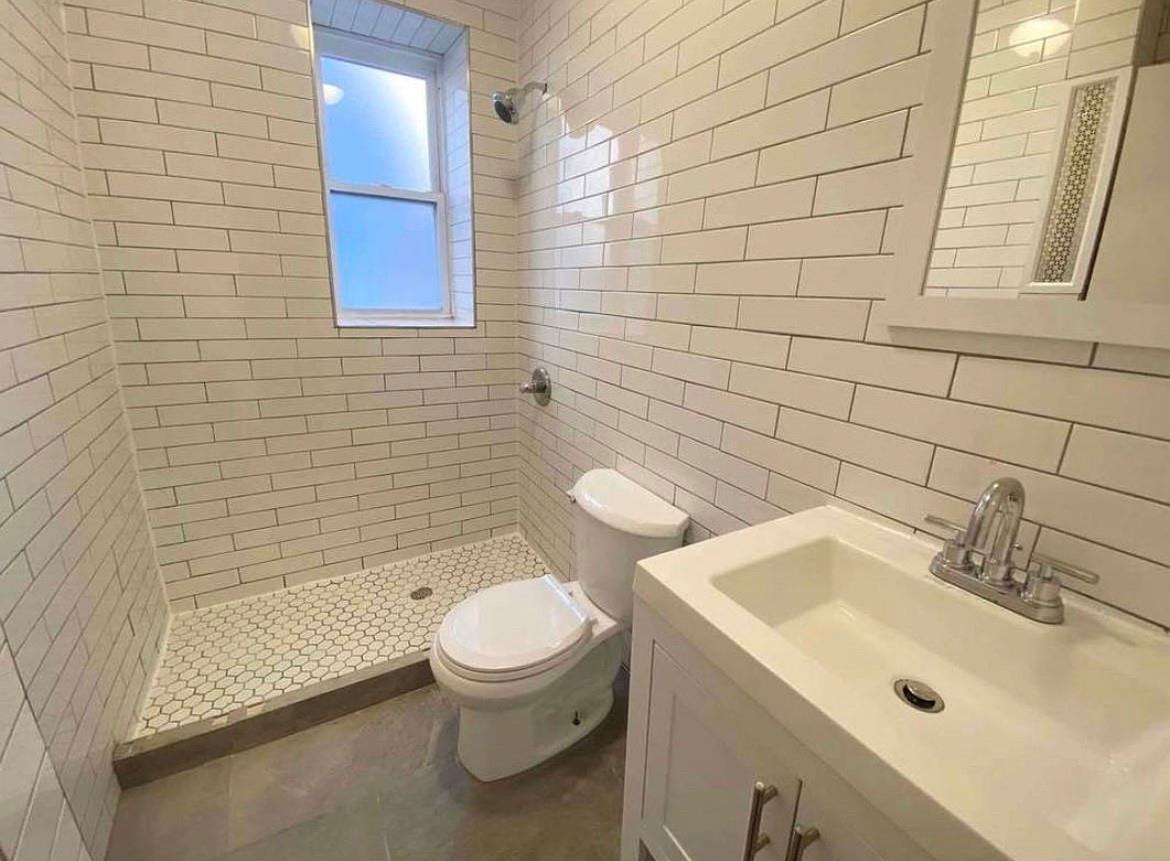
273 446
36 821
82 612
731 367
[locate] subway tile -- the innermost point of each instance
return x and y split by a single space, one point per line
1132 464
789 38
806 392
749 277
721 106
888 453
1093 513
871 187
692 368
145 31
853 54
788 121
708 245
902 501
719 310
1126 581
135 82
645 77
793 496
732 470
823 236
738 345
858 13
908 370
686 422
786 200
748 508
801 464
1013 437
829 318
729 407
682 90
1107 399
865 142
713 178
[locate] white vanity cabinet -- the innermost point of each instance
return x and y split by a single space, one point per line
698 792
701 753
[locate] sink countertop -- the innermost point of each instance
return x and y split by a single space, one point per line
1054 744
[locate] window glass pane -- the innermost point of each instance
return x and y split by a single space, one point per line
375 126
385 253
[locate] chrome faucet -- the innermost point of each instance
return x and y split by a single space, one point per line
978 558
994 527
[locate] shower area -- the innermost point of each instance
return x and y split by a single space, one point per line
320 496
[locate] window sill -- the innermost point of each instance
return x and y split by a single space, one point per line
461 321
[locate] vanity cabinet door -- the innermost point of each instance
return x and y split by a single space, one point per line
835 841
698 789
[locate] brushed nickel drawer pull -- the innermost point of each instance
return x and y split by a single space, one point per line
801 838
761 795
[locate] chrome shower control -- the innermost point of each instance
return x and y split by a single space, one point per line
540 386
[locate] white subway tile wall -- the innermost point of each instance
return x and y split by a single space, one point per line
81 606
1022 53
707 204
274 447
36 822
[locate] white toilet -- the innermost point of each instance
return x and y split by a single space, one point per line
531 663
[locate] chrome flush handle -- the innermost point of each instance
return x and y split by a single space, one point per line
761 795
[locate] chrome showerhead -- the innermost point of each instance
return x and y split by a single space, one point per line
509 103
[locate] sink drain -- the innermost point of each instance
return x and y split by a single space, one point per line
919 695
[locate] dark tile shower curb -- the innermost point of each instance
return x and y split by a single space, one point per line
142 760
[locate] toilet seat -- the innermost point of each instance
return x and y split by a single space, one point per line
513 630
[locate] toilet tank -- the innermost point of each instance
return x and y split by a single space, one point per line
616 522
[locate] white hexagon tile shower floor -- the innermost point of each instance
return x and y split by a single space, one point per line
239 654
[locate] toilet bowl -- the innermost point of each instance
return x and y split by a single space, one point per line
531 663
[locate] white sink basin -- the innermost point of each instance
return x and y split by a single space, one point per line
1054 742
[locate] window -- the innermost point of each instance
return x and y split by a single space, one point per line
382 141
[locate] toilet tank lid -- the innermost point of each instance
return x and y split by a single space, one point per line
625 505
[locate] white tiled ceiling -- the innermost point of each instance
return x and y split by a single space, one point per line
386 22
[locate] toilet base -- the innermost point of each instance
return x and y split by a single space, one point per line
496 743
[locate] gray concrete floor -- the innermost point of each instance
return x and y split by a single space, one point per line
382 784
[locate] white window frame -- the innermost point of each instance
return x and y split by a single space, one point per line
421 64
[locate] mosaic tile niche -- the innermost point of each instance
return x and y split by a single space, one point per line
226 656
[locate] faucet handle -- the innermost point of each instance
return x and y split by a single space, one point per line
1048 562
960 531
1041 588
955 554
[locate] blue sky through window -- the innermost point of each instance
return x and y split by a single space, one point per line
386 254
375 126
